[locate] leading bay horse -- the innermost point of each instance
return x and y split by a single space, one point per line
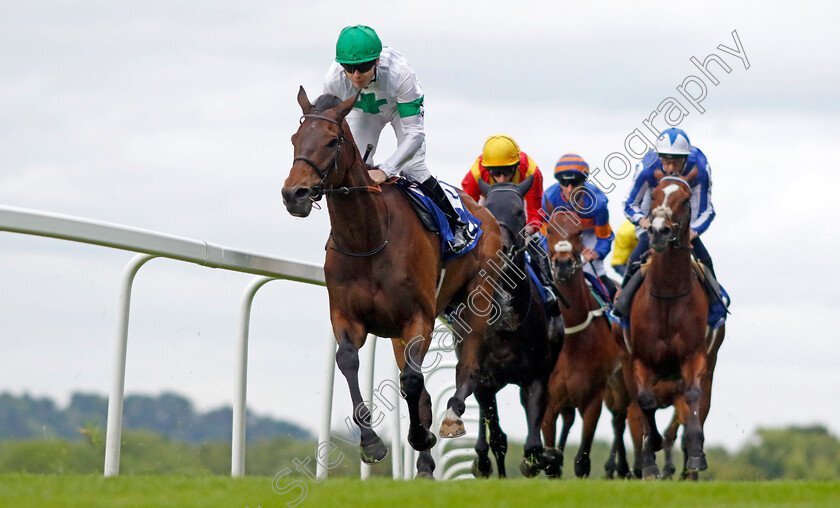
590 354
521 353
667 339
385 276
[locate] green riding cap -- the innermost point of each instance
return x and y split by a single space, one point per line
357 44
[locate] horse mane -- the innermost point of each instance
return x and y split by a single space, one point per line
325 102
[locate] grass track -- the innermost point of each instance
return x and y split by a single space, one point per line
23 490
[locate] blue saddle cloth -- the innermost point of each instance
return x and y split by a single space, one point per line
440 223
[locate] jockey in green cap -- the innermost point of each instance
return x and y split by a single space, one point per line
389 93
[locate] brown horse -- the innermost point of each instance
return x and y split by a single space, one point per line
589 356
671 393
385 276
667 335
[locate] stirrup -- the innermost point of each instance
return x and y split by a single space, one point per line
459 240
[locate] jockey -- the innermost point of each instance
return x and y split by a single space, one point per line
573 193
675 157
389 92
501 161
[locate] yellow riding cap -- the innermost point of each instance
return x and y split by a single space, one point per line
500 150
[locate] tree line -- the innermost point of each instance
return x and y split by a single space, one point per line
168 414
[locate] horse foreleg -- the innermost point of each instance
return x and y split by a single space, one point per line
590 413
347 358
617 400
652 443
486 398
481 466
425 462
553 456
617 463
636 422
466 375
693 372
668 447
413 384
532 396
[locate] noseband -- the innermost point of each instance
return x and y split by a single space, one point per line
566 246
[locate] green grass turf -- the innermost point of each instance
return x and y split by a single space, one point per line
23 490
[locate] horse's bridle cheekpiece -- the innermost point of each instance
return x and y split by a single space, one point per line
318 191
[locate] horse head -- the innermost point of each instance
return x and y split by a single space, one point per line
565 244
670 213
506 201
323 148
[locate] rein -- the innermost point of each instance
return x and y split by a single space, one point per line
318 191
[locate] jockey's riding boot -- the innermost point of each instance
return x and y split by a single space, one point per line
632 280
458 227
542 268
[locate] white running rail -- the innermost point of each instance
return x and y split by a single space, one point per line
149 245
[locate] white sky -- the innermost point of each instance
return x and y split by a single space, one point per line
176 117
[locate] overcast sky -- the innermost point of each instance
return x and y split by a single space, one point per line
176 117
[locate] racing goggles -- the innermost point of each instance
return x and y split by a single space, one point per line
362 67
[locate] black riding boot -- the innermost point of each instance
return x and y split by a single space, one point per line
434 190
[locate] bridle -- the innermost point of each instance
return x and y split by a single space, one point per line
317 191
676 225
576 257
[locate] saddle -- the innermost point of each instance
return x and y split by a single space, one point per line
718 298
435 221
418 205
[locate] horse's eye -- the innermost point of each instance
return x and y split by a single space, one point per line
332 143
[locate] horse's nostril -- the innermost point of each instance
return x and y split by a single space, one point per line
301 193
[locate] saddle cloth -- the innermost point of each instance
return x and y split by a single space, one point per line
434 220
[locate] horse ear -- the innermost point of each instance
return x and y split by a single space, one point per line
303 100
345 107
659 175
525 186
483 186
691 175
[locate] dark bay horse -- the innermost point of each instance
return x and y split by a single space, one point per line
521 353
385 276
667 339
590 354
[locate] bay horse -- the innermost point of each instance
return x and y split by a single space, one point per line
385 276
590 354
521 353
667 338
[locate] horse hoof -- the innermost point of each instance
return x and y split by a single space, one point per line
553 462
452 428
668 472
650 472
529 469
373 452
482 467
426 441
583 466
696 463
424 475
